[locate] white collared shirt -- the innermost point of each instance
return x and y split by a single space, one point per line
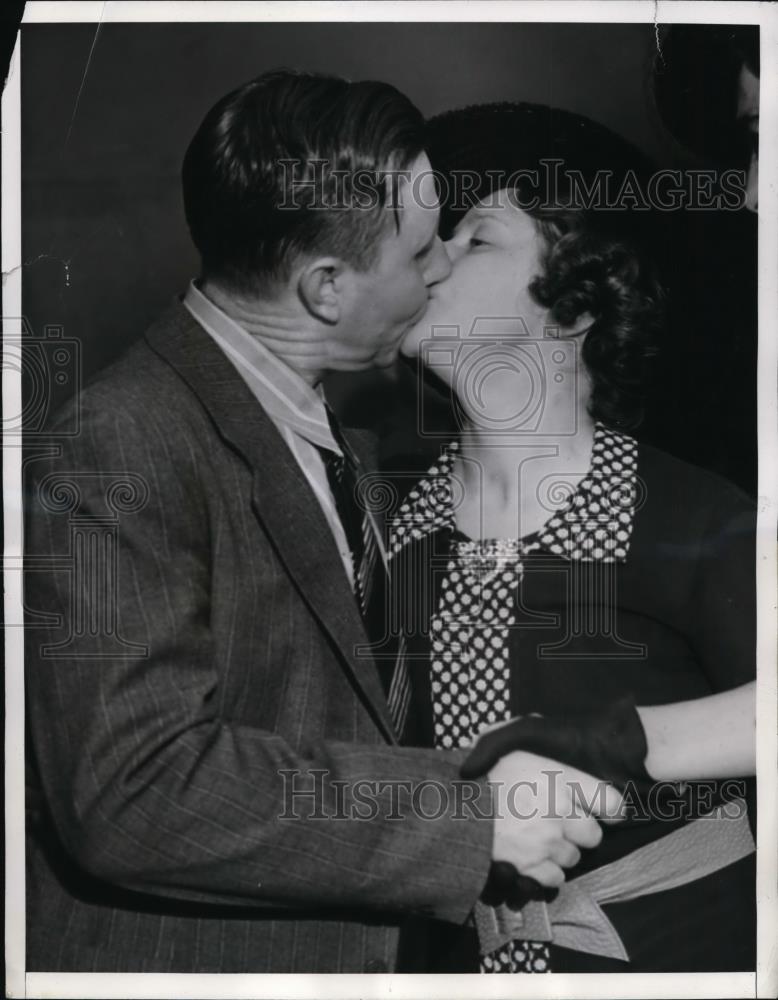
296 408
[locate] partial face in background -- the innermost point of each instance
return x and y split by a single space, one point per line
381 303
748 119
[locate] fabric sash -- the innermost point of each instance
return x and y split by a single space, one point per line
575 918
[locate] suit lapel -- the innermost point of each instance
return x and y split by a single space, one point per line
281 497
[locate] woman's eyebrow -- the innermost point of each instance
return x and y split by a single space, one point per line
487 215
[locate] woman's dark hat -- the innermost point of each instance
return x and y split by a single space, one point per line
475 149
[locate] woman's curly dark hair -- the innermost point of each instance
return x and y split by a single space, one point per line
594 260
587 270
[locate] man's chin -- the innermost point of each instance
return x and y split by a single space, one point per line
415 332
385 360
409 345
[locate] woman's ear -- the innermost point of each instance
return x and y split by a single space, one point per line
321 286
579 326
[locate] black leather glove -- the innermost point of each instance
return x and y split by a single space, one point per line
505 885
609 744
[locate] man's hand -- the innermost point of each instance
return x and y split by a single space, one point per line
545 815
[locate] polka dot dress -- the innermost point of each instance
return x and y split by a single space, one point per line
470 676
470 672
518 956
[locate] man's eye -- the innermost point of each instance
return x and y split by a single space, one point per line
475 242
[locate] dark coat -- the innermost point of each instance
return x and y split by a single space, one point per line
201 641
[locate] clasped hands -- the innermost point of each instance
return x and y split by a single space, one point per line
553 779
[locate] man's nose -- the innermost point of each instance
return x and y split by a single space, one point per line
439 264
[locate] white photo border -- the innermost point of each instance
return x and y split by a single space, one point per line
762 983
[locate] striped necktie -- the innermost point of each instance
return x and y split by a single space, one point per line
370 578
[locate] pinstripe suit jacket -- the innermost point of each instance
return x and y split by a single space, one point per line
191 645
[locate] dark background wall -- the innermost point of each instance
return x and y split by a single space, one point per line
105 124
104 232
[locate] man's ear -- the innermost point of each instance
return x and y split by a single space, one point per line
321 287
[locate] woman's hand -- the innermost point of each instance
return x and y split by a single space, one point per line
610 743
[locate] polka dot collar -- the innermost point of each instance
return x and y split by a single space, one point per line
594 523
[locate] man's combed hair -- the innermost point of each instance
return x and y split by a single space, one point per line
292 164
